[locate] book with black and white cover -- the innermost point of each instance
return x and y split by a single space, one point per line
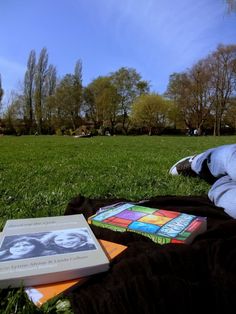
43 250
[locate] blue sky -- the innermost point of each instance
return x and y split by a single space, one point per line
156 37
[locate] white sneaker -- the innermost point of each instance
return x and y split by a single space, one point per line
183 167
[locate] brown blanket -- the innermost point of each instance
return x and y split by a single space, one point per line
152 278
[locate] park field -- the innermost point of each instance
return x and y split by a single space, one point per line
40 174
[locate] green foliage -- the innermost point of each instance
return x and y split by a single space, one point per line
29 91
1 91
129 86
16 301
58 132
150 110
68 100
202 96
102 101
40 79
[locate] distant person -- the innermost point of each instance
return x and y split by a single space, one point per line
22 247
68 241
190 132
195 132
217 166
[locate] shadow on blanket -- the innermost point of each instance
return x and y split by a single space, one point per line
152 278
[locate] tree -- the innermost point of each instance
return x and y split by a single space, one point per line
89 103
222 64
150 111
50 80
178 91
193 94
200 94
29 91
50 88
40 80
1 92
78 72
14 115
77 92
69 99
108 102
102 102
93 107
129 85
231 4
64 101
230 114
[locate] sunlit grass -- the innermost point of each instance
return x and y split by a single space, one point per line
40 174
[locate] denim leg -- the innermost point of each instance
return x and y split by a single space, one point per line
230 165
223 194
220 161
199 159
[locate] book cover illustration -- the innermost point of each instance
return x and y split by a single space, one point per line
42 293
50 249
162 226
57 242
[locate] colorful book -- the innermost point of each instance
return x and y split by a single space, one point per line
42 293
43 250
161 226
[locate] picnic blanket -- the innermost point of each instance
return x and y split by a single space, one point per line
153 278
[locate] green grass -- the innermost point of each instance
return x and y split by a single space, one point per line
40 174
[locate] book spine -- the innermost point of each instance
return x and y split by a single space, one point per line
156 238
111 227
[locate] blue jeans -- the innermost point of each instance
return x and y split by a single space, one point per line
221 162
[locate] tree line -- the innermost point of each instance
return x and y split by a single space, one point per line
205 94
202 97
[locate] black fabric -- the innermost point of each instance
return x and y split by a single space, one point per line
205 173
152 278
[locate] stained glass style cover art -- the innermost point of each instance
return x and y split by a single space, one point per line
162 226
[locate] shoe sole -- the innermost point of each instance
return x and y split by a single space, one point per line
174 166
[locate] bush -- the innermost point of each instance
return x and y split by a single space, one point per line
58 132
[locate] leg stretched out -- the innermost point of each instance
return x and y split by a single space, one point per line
218 167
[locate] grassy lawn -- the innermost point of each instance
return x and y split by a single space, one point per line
40 174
